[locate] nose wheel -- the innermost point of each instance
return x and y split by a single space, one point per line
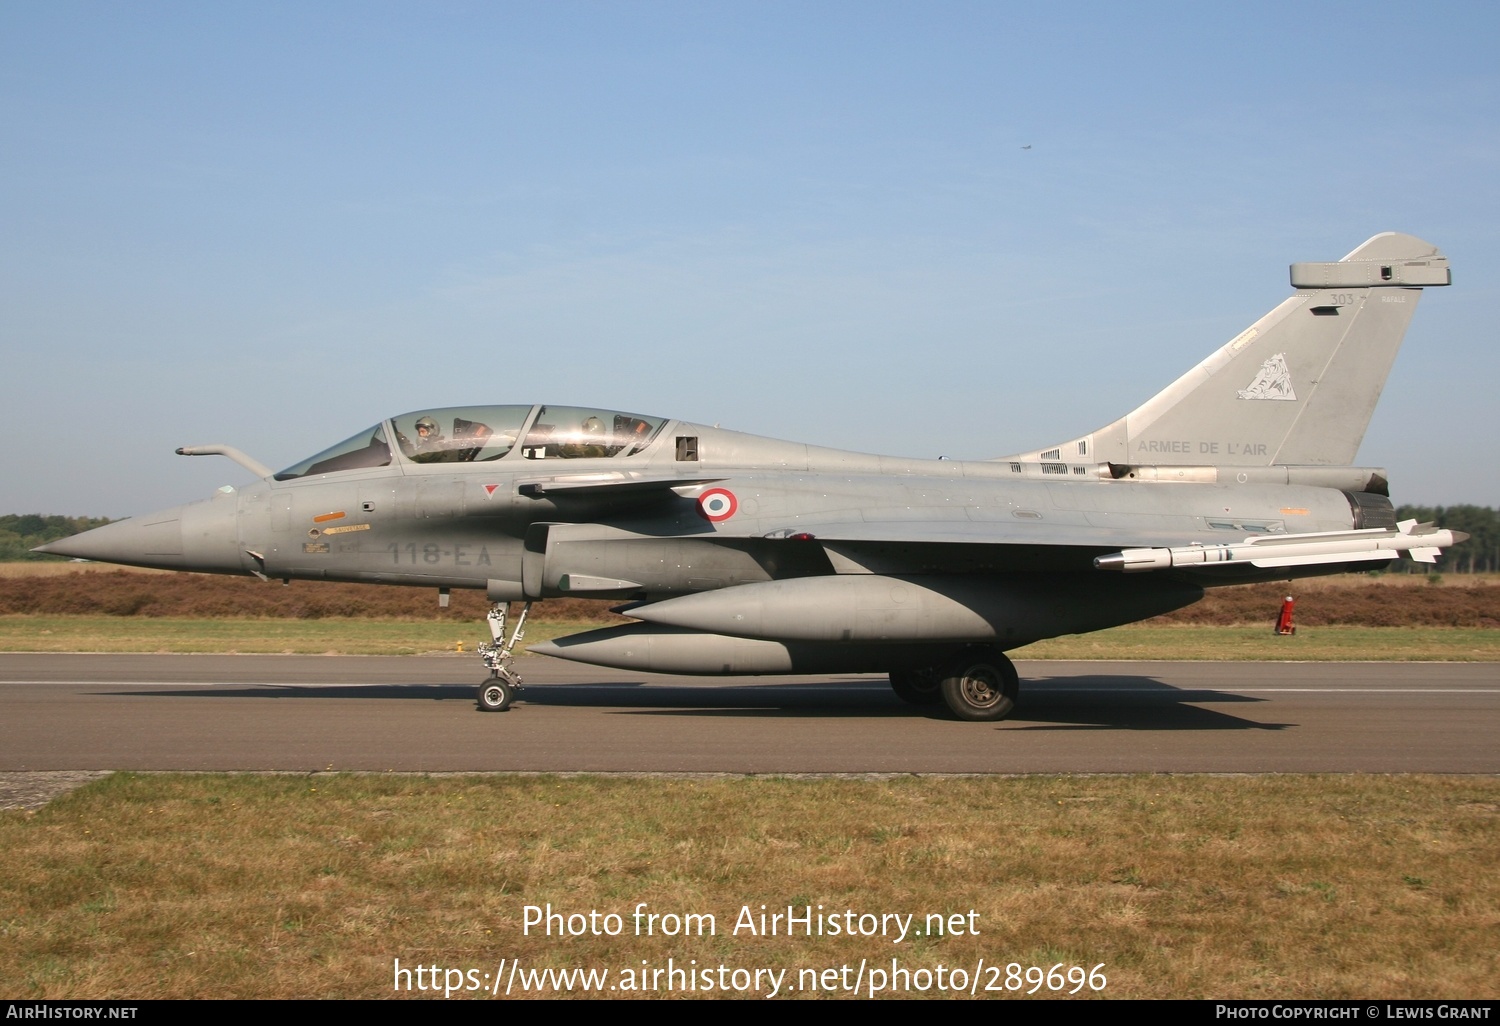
497 693
504 684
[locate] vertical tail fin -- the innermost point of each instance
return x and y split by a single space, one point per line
1296 388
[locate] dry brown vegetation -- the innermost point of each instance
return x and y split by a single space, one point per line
1360 602
290 886
1391 600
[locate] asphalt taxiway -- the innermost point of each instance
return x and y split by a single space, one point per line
313 713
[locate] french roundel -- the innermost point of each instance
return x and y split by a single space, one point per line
717 504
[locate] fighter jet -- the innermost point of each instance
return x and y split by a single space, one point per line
736 554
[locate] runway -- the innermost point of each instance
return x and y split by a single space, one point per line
314 713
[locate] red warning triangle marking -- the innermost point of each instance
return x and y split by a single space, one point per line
490 489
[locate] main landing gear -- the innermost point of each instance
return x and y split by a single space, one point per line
977 684
498 692
917 687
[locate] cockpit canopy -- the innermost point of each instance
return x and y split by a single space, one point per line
481 434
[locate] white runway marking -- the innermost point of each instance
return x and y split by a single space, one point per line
1163 689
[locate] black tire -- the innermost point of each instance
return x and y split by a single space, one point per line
917 687
981 686
496 695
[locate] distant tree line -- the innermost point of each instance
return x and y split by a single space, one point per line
22 532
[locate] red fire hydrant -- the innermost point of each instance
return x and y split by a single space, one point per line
1284 621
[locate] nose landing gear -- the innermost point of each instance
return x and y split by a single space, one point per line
496 694
504 684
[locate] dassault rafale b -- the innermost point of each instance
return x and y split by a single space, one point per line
736 554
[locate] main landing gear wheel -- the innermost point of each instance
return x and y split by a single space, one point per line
981 686
496 695
917 687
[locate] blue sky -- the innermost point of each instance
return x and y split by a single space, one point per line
271 225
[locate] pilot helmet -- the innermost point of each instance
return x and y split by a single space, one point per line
428 423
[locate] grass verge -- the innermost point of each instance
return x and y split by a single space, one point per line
187 886
331 635
357 636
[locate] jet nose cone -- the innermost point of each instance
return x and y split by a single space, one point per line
153 540
157 539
